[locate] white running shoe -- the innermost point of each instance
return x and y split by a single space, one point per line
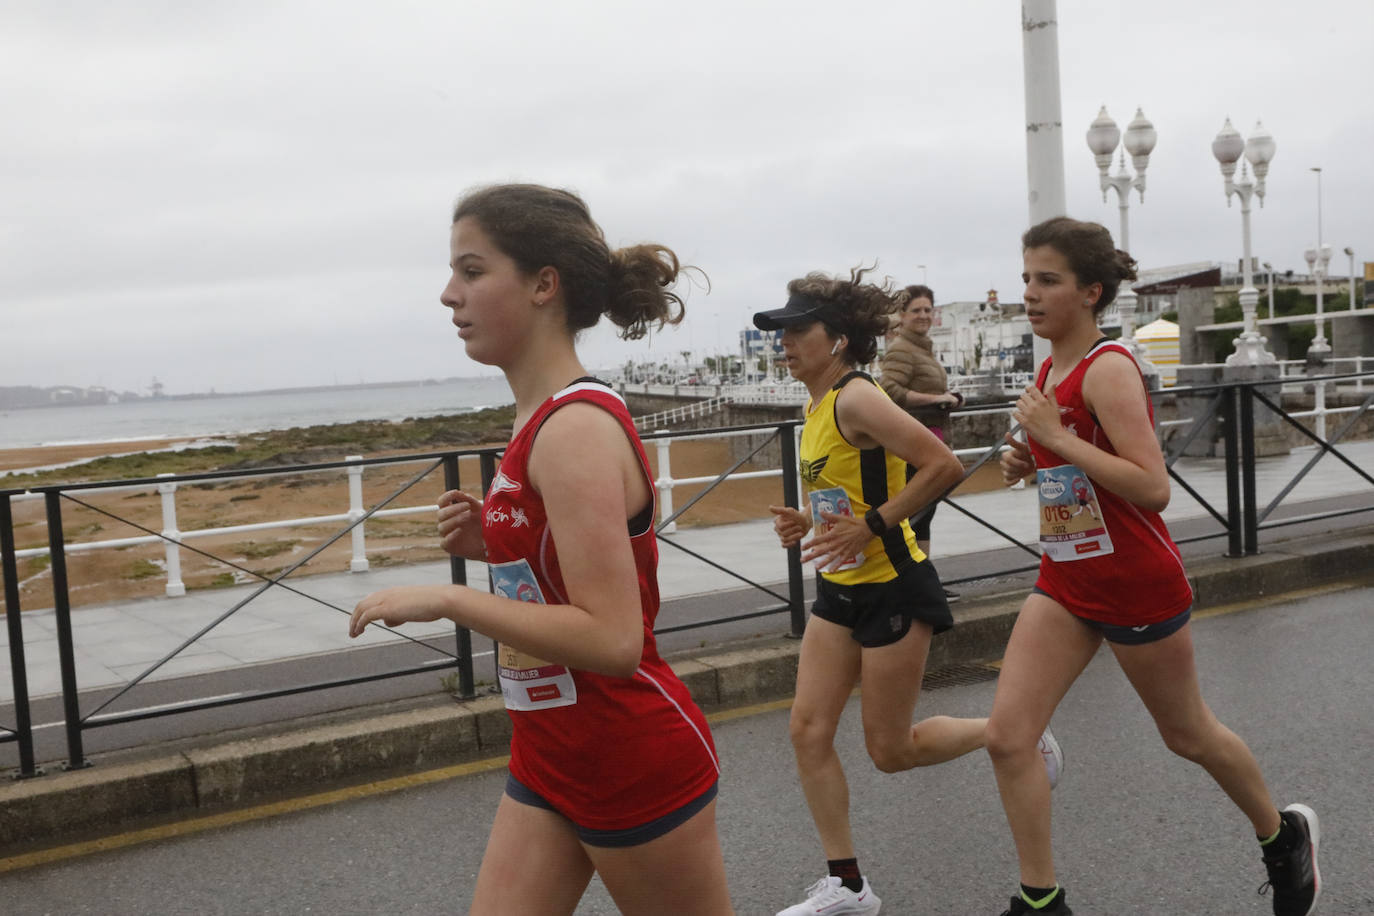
1052 755
828 897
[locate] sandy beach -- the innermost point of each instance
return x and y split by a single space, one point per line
15 459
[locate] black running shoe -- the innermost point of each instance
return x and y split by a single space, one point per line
951 597
1293 874
1020 907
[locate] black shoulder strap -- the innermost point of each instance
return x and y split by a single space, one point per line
854 373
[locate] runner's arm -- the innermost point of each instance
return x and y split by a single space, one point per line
582 464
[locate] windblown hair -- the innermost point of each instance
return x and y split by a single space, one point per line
860 311
538 227
1091 254
917 291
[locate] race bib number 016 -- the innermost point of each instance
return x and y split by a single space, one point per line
528 683
1071 523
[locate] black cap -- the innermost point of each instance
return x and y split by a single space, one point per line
798 310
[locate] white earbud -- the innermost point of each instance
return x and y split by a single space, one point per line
835 349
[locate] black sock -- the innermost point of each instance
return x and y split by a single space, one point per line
1036 894
1283 840
847 870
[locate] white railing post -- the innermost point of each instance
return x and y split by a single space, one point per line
172 551
665 483
1011 424
1319 407
355 512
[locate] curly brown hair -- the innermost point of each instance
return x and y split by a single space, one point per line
1092 255
538 227
917 291
859 311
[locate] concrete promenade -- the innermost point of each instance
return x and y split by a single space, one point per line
230 767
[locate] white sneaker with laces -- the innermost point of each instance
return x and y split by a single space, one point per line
828 897
1053 756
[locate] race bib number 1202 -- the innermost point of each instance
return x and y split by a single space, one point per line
528 683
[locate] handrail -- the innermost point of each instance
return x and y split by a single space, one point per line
1232 410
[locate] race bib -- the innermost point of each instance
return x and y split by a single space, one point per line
1071 523
527 683
835 501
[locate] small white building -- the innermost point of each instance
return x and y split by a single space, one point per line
981 336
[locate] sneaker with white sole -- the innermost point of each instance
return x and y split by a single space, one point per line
1053 756
828 897
1294 876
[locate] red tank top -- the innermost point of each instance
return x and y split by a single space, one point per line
609 753
1103 557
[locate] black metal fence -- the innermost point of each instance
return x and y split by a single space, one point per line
1229 408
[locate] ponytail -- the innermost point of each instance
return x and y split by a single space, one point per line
638 292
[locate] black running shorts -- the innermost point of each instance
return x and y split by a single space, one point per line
880 613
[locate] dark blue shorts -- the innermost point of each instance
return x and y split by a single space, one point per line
1131 636
630 836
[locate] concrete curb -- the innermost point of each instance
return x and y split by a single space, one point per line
304 757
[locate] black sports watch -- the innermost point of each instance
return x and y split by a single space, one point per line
875 522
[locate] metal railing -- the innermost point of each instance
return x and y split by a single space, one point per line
690 411
1229 407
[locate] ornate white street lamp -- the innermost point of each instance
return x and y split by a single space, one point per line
1259 150
1139 141
1318 259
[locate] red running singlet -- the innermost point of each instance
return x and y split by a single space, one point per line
1103 557
609 753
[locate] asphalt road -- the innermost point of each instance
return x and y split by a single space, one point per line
1138 830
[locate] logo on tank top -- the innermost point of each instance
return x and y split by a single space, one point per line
811 470
503 484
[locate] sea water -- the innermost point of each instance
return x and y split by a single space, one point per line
228 415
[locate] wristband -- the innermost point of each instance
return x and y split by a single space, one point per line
875 522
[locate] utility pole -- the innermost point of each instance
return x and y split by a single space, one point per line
1044 123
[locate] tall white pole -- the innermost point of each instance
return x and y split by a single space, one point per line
1319 342
1350 252
1044 123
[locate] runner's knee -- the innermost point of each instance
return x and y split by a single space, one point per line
890 753
1191 742
811 733
1005 741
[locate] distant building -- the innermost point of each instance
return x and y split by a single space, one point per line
982 336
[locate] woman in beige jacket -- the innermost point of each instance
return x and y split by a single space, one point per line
915 380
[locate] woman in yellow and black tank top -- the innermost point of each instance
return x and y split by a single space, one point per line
878 600
869 476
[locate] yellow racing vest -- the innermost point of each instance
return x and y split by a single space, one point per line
869 477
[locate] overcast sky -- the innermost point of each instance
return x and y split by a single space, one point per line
251 195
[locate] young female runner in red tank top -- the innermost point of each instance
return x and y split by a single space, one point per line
612 766
1110 573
